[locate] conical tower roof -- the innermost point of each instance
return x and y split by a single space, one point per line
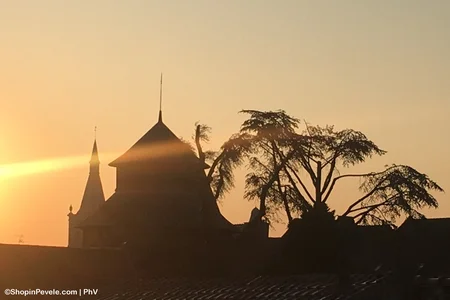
159 143
94 156
93 196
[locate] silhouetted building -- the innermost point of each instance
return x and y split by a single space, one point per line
93 198
162 198
425 241
163 223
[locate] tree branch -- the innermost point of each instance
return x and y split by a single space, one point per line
214 164
270 182
345 176
305 163
201 154
307 166
376 188
301 182
282 195
330 173
285 202
295 187
312 175
382 221
219 185
370 208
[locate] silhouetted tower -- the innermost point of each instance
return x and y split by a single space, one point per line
93 198
162 196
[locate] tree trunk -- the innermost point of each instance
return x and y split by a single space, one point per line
288 210
285 201
201 154
319 183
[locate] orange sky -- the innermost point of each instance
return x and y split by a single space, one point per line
381 67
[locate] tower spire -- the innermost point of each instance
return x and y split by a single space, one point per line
160 99
94 162
93 198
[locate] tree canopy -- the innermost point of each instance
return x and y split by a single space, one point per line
297 170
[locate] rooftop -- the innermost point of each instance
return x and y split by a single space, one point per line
158 143
314 286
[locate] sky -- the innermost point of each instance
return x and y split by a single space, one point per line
381 67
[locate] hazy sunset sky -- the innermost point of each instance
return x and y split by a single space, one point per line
381 67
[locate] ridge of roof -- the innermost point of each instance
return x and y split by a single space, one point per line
159 137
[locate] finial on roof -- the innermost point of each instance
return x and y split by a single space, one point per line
95 132
70 208
160 100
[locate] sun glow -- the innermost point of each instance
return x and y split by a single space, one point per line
40 166
58 164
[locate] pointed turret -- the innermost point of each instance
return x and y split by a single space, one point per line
93 198
94 162
93 194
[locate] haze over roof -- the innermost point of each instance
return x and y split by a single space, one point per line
158 143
